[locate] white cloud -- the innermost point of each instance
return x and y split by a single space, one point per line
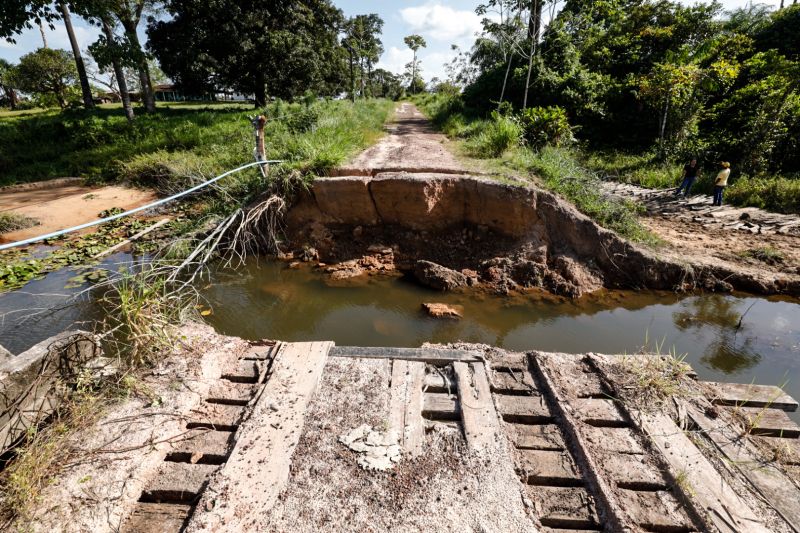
394 59
442 23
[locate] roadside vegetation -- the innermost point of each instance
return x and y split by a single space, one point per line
634 90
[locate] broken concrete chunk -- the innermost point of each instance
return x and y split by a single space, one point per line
438 277
438 310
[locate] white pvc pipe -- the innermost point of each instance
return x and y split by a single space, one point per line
132 211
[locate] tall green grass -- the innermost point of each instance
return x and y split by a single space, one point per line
102 145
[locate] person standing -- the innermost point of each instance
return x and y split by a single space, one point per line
721 182
690 173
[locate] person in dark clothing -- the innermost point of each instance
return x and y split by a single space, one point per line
690 173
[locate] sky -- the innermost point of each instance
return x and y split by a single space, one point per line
441 22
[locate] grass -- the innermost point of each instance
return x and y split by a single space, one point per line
765 254
42 454
774 193
14 222
102 145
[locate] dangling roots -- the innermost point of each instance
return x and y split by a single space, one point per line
257 229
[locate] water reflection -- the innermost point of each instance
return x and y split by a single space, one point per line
733 348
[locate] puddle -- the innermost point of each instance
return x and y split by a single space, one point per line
268 300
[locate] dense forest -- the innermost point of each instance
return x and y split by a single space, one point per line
655 78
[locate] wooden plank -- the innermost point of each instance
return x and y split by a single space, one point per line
433 356
617 440
701 482
216 415
631 471
226 390
405 411
598 412
436 382
524 409
156 518
536 437
177 482
202 446
258 468
244 371
440 407
564 507
769 422
656 510
478 416
751 395
509 381
774 485
548 468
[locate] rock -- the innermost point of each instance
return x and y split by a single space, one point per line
438 310
295 264
438 277
357 232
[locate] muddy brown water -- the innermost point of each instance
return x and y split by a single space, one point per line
266 299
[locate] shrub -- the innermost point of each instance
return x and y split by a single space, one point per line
776 194
499 134
544 126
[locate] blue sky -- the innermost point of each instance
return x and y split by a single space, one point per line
441 22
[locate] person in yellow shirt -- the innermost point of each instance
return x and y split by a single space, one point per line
720 182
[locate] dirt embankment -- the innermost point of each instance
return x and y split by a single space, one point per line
483 233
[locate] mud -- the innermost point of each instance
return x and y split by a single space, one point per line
64 203
505 238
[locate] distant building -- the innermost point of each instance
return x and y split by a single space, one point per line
167 92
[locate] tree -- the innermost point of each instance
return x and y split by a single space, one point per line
386 85
20 14
361 36
86 90
281 48
8 90
109 51
46 72
415 42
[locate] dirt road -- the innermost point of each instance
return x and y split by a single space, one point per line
747 237
64 203
411 145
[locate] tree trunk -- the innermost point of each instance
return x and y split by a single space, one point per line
505 81
41 31
119 73
352 76
414 73
663 127
534 32
86 89
260 91
148 99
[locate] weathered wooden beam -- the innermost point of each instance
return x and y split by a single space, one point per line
258 467
743 395
781 493
434 356
478 416
405 410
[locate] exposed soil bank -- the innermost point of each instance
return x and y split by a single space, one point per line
505 237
